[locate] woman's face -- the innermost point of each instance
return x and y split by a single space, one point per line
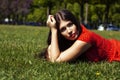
68 30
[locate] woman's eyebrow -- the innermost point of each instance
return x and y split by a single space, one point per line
66 24
63 26
69 23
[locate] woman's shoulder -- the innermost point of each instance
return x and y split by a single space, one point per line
85 35
84 28
89 36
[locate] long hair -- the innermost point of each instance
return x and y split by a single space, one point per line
62 42
66 16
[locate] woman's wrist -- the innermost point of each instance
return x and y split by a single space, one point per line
53 29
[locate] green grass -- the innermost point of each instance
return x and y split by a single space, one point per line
18 44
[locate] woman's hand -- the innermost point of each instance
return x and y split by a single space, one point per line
51 22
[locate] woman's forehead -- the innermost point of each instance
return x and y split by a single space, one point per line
64 23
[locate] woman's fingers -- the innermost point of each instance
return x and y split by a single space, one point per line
48 20
51 21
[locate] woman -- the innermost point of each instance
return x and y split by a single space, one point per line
68 40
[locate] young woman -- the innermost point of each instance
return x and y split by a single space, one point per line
68 40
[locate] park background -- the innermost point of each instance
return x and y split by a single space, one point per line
34 12
25 33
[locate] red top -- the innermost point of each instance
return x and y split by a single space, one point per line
102 49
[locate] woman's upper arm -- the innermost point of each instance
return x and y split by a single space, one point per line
74 51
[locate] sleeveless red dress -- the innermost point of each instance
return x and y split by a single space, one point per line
102 49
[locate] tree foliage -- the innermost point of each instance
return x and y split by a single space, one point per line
15 9
89 11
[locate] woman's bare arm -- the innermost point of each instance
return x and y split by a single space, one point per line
55 51
54 48
71 53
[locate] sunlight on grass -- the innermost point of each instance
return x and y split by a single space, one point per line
19 44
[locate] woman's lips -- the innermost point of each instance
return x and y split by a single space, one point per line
73 35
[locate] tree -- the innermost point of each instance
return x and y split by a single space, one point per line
20 9
46 4
115 14
15 9
108 4
4 9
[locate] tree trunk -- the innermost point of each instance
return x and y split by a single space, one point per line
86 13
48 10
107 13
81 11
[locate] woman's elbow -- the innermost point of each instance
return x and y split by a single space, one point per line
58 60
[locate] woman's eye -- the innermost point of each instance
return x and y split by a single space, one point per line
63 29
70 24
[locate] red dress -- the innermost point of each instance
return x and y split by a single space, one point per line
102 49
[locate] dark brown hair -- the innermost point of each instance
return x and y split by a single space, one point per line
63 42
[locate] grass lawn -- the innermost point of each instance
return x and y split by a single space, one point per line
18 44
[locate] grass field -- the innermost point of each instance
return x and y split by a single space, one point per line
18 44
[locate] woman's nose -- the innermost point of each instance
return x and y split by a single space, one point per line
69 30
